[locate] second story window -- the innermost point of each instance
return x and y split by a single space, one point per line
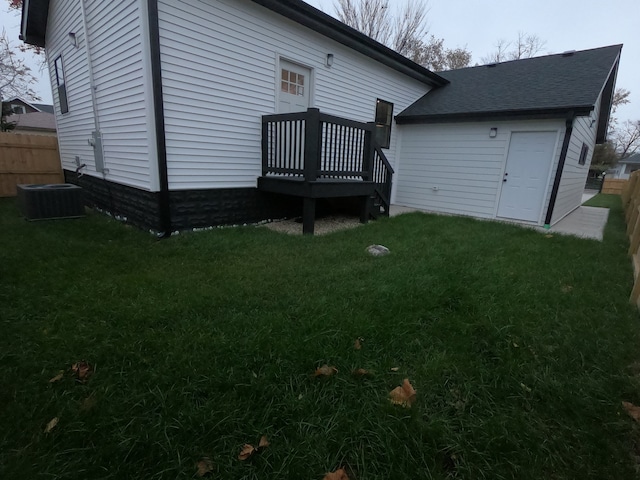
60 83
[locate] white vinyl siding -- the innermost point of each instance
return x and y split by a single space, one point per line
74 127
116 53
219 76
574 175
457 168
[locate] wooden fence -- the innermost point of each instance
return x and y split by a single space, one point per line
631 204
28 159
613 186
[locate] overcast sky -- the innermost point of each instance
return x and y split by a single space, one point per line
478 25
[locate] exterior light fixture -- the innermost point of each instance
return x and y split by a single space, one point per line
493 133
329 59
73 40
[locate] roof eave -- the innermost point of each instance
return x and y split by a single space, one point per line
529 114
318 21
34 22
606 102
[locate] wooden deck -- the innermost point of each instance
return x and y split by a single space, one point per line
314 155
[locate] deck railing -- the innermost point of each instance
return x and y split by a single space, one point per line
316 145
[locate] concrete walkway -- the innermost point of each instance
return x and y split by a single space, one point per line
583 222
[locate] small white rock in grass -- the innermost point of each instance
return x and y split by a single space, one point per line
378 250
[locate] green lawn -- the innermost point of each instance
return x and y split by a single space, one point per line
521 347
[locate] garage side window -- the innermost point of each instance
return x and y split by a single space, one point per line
583 154
384 117
60 83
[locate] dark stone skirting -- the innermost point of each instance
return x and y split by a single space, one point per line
189 208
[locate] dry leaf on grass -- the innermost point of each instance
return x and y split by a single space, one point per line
632 410
58 377
325 371
361 372
395 369
249 450
339 474
205 467
404 395
82 370
51 425
357 345
566 288
549 236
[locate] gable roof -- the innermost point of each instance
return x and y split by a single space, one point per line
40 107
635 158
547 86
35 12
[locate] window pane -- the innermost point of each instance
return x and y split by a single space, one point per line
300 79
301 91
383 120
285 74
59 71
284 86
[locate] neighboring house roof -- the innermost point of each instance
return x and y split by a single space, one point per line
40 107
635 159
34 121
35 12
549 85
43 107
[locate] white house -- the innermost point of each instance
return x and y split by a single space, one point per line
625 167
183 114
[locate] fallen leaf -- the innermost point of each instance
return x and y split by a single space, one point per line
246 452
516 345
404 395
51 425
249 450
339 474
360 372
58 377
205 467
525 388
357 345
549 236
82 371
566 288
395 369
632 410
325 371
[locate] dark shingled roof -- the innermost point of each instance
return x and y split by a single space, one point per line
542 86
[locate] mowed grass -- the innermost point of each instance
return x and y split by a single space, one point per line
520 346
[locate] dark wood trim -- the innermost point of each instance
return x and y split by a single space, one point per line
164 198
559 170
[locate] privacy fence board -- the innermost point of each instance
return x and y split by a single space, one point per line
613 186
631 203
28 159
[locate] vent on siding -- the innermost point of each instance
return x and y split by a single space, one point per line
39 202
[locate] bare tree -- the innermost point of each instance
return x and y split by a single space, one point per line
434 56
404 30
526 46
371 17
626 138
16 79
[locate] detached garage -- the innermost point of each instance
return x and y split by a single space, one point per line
512 140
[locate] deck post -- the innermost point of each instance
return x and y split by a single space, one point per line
312 144
265 147
308 216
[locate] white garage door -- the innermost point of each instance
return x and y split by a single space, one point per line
525 177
